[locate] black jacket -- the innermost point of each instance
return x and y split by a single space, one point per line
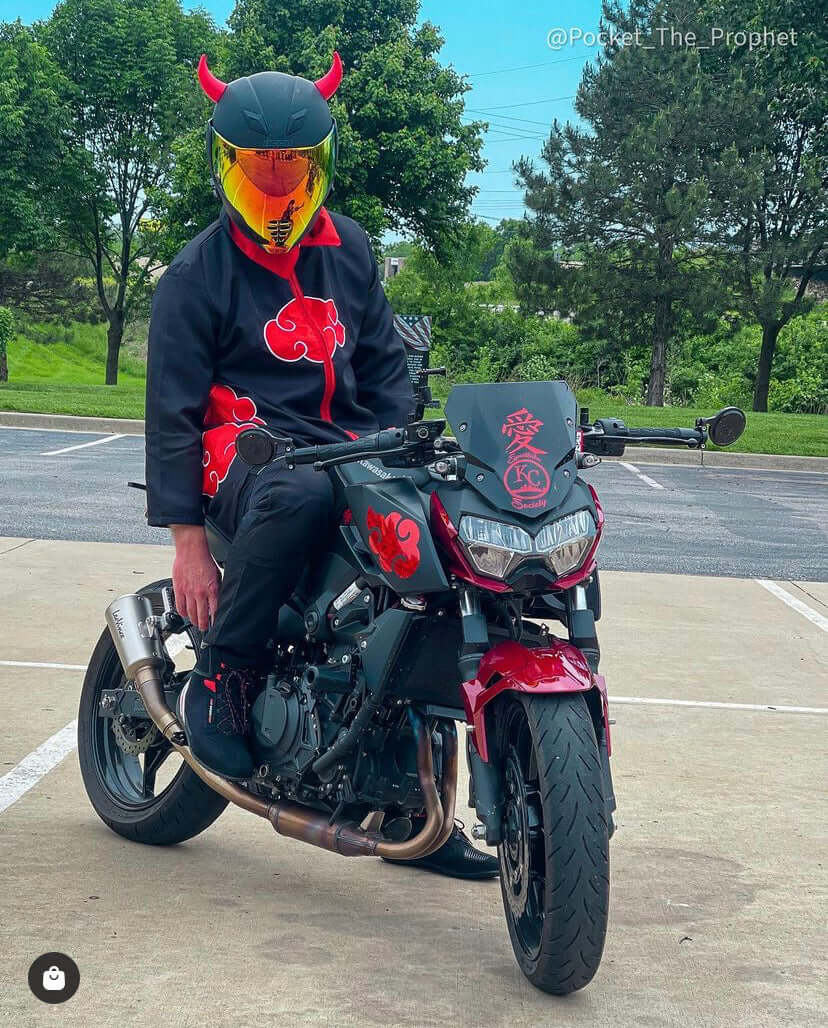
303 342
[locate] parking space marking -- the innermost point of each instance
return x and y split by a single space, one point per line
31 663
81 446
717 706
36 765
801 608
640 474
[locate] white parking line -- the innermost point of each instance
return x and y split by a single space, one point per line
80 446
32 663
717 706
38 763
17 782
640 474
801 608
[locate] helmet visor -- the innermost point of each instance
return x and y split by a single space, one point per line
278 191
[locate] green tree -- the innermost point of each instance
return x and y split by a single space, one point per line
773 183
631 186
404 150
31 139
130 91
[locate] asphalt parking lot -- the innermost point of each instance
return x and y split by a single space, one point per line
718 691
668 518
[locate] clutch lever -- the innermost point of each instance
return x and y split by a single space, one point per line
348 458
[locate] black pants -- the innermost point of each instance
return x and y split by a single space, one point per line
277 521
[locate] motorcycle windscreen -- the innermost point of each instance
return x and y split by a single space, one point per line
519 441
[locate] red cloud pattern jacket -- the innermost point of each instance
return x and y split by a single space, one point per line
302 342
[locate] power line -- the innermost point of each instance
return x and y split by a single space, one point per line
523 67
532 103
514 130
508 117
515 139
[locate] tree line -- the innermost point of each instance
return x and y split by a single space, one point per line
687 200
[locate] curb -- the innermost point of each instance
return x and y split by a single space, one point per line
70 423
633 455
724 459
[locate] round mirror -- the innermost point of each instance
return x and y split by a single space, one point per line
726 427
255 446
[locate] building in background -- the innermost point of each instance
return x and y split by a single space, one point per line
393 266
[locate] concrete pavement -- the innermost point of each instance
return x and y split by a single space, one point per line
718 881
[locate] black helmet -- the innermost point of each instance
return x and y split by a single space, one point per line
272 147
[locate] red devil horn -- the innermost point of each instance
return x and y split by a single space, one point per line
213 87
329 83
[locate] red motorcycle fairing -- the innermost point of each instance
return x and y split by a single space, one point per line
510 666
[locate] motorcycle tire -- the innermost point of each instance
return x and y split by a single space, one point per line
554 860
185 806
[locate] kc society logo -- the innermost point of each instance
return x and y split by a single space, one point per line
525 479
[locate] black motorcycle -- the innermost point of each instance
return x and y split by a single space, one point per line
429 606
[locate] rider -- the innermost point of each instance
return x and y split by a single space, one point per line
273 315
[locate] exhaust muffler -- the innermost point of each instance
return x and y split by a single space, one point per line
136 633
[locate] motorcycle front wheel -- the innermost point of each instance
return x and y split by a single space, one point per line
138 785
554 859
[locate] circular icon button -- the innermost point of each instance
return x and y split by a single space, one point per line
54 977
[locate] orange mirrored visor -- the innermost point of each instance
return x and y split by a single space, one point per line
277 192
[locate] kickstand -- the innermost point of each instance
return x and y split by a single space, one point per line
702 454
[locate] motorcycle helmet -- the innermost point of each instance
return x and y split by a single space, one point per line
272 148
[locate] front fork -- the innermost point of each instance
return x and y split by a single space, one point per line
486 779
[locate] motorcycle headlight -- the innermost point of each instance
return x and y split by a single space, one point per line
494 548
565 543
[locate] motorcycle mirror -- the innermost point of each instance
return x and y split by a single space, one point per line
255 447
725 427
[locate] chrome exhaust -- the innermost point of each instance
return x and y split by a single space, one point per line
133 629
137 638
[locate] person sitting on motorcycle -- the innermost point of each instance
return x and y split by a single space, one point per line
273 315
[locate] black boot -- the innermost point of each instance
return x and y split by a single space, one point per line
457 858
214 710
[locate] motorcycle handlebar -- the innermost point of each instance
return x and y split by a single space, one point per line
378 442
258 447
684 435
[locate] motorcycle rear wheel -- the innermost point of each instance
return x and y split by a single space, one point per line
554 860
126 790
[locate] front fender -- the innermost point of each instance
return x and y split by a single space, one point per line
512 667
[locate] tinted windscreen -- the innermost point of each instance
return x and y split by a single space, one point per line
520 437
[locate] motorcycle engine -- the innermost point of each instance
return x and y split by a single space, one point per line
285 725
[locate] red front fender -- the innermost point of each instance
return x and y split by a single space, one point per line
509 666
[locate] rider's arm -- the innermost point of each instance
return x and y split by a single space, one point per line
179 375
379 360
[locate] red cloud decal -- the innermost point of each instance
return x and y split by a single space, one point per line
394 539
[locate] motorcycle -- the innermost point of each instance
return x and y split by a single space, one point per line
430 605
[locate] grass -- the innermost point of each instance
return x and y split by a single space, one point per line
805 435
55 369
60 370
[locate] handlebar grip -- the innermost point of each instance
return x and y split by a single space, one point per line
377 442
679 434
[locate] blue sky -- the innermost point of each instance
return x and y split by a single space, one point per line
516 78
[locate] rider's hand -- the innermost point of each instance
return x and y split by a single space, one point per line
195 576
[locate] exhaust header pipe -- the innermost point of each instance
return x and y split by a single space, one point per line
135 632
